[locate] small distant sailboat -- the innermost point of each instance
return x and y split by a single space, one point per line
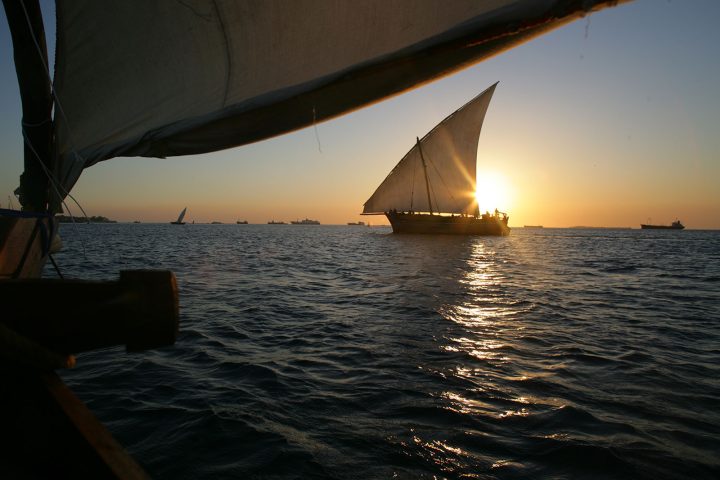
179 220
444 162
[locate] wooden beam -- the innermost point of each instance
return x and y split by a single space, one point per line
140 311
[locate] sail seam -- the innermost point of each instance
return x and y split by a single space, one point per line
228 59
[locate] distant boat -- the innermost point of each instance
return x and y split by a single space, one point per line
676 225
136 221
242 222
532 226
179 220
444 162
307 221
357 223
273 222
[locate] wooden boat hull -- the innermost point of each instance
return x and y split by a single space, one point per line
49 433
447 225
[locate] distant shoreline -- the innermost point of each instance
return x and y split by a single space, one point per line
93 219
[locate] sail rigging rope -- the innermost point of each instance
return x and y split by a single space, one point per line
57 269
432 189
53 181
434 195
317 135
444 184
412 190
55 184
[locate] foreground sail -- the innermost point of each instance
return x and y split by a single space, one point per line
432 189
195 76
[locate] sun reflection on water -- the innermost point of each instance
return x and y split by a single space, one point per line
448 458
486 371
461 404
485 312
485 331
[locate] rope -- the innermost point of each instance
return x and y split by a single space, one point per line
55 184
443 182
317 135
57 269
53 181
412 190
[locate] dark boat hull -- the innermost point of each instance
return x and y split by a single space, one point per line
447 225
661 227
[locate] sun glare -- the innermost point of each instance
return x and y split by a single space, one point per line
492 192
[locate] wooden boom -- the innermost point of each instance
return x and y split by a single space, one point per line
139 311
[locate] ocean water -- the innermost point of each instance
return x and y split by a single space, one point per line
341 352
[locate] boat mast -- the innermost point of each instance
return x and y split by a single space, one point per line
427 182
31 64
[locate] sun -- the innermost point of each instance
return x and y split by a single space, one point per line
492 192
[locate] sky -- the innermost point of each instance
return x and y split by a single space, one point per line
612 120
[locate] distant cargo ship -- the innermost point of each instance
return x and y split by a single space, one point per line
307 221
532 226
273 222
676 225
356 223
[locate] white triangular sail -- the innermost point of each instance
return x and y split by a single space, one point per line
167 78
449 152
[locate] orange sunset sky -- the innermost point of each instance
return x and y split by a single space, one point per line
609 121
